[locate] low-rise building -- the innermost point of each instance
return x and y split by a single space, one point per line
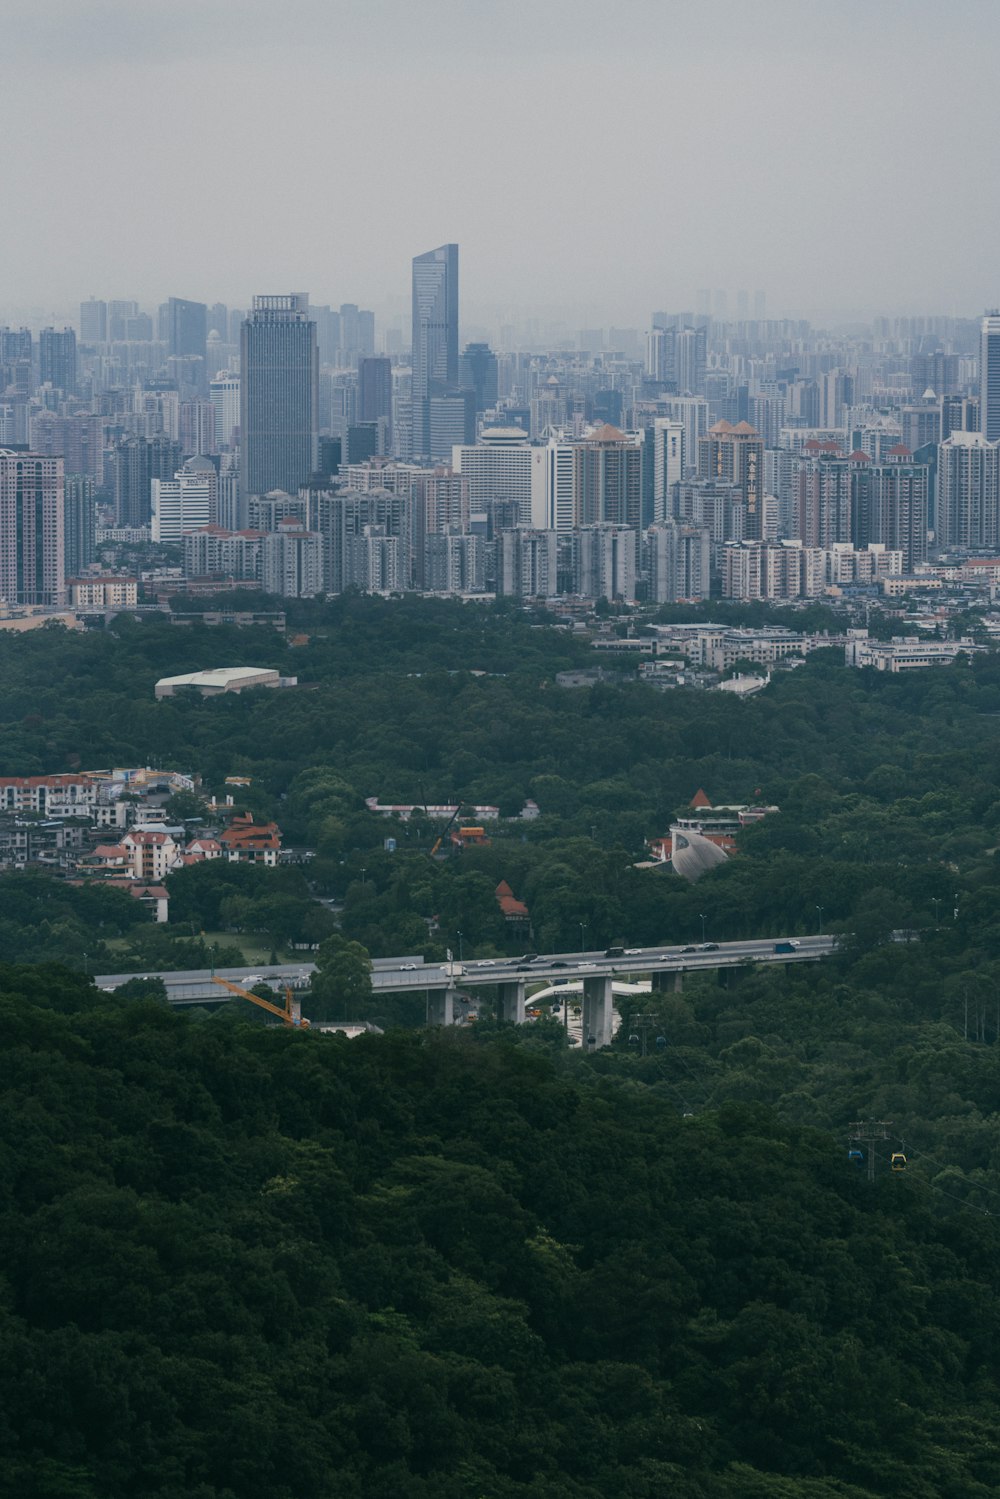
221 679
249 842
904 653
107 592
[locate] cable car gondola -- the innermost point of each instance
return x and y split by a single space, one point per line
856 1157
898 1161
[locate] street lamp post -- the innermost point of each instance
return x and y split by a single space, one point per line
819 927
460 947
583 928
936 902
703 920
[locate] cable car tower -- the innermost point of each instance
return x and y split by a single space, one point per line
869 1132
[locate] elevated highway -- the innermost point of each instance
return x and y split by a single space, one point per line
595 971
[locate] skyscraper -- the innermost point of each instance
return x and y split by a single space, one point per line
989 377
187 328
57 359
478 372
435 335
93 321
137 461
32 567
279 395
375 397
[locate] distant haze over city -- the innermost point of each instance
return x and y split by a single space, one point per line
594 162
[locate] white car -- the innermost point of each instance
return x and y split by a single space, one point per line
633 952
486 963
586 965
407 967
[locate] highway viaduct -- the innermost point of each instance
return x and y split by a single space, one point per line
595 971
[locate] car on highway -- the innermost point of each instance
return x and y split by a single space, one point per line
633 952
558 963
407 967
709 947
689 949
586 965
486 963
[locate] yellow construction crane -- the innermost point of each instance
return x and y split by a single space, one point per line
291 1014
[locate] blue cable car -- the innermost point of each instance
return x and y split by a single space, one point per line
661 1042
898 1161
856 1157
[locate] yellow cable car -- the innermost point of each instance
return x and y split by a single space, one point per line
898 1161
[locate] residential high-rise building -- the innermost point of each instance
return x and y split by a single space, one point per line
889 504
434 356
440 505
279 395
968 492
57 359
345 518
79 524
453 562
78 440
292 562
677 563
691 360
527 563
736 455
32 529
820 509
989 377
608 479
668 460
605 561
959 414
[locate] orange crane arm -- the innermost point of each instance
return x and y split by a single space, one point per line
291 1013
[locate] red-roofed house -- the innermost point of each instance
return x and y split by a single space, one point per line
249 842
515 912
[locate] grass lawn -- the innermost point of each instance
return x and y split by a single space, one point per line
255 948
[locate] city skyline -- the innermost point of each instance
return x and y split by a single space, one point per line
758 151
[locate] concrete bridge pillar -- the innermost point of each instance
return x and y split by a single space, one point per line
441 1006
663 979
598 999
510 1001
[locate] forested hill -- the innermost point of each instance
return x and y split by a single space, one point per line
251 1264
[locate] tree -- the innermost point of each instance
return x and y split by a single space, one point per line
342 983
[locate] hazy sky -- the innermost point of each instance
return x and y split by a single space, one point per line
593 160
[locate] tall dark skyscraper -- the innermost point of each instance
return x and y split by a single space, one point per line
187 328
137 462
57 359
478 373
279 395
435 336
375 395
